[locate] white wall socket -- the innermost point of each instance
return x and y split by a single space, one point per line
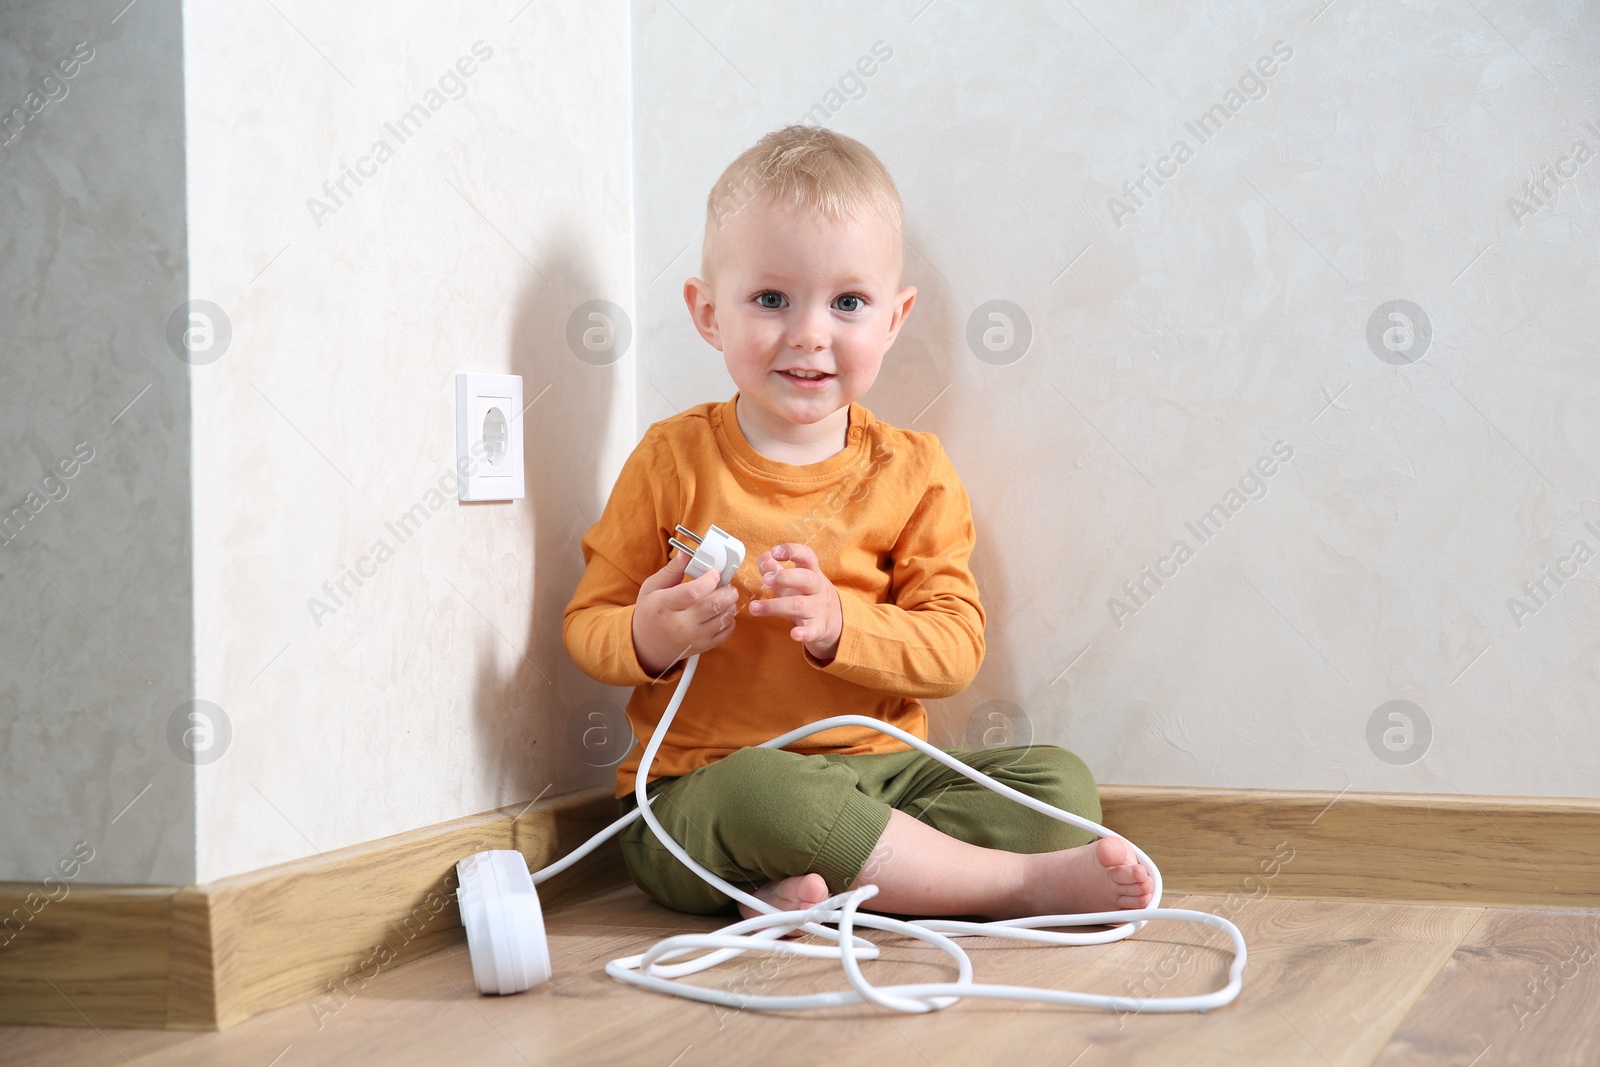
489 436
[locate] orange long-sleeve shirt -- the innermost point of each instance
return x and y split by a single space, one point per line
892 528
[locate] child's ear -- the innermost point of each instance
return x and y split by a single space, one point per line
902 308
697 294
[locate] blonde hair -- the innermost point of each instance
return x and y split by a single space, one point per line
806 166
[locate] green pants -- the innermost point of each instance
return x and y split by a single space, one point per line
761 814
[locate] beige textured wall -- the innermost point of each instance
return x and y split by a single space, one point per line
438 686
1178 337
1172 342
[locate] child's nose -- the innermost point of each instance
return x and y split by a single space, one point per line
808 329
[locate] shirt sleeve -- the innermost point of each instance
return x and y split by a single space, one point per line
927 641
625 547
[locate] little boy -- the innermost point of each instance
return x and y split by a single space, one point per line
857 586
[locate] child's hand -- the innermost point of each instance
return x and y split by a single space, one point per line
804 595
673 620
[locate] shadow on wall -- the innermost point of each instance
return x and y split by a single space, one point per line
523 718
934 376
929 354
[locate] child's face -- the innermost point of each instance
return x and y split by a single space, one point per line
796 290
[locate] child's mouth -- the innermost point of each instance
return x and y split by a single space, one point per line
806 383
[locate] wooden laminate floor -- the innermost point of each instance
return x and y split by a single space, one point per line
1328 982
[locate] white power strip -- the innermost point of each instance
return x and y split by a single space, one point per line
505 926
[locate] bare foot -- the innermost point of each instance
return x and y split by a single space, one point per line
1101 876
791 894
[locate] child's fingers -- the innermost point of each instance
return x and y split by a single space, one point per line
791 580
703 605
716 627
800 555
801 610
676 562
796 579
723 605
701 596
669 575
806 628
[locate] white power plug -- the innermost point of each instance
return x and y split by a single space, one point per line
717 551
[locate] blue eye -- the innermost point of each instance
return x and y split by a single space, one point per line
763 300
858 302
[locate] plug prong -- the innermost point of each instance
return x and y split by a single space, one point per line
680 546
690 534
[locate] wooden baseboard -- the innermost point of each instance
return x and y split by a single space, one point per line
1405 847
208 956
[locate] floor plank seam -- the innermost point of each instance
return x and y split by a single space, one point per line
1422 990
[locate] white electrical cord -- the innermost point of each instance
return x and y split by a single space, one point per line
653 969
